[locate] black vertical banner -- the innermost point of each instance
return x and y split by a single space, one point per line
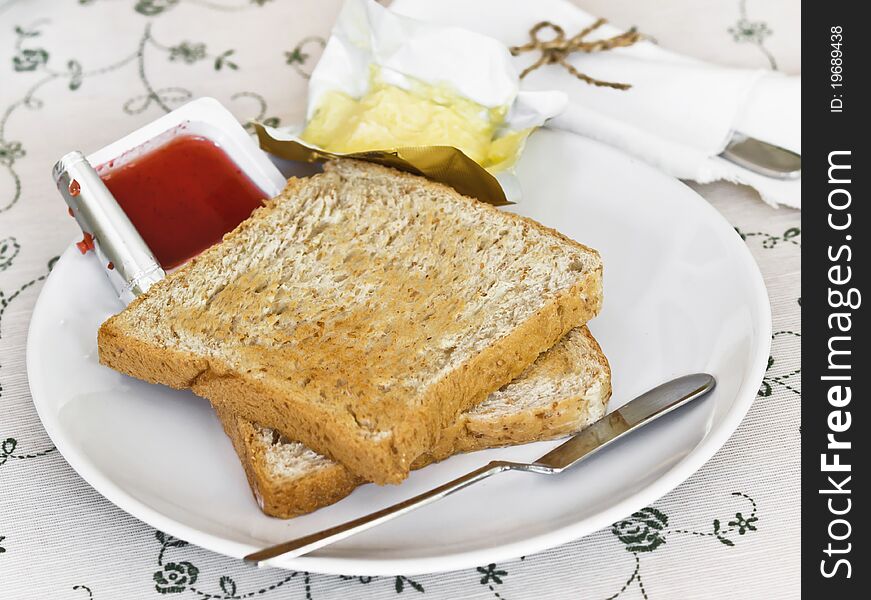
836 51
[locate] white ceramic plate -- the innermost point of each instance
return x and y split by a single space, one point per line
682 294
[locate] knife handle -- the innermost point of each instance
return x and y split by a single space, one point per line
312 542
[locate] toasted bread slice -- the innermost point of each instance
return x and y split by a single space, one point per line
563 391
360 312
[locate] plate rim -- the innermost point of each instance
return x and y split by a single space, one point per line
713 440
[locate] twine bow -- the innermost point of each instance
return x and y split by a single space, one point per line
557 49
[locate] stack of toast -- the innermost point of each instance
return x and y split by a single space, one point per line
367 322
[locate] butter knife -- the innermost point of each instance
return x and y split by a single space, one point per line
632 416
762 158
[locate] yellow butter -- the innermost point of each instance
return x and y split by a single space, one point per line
389 117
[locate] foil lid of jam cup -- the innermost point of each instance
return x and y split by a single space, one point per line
126 258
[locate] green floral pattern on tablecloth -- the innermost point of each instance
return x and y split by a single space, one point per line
747 31
642 532
9 448
173 51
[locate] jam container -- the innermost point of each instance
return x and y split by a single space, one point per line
157 197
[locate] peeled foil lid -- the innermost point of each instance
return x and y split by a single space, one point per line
444 164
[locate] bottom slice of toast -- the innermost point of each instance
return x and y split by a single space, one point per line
564 390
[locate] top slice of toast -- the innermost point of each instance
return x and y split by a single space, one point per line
359 312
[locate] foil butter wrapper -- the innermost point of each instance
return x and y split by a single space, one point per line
129 263
444 164
369 42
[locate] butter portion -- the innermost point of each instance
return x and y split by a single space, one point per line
388 117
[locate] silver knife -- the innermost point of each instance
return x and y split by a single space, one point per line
762 158
644 409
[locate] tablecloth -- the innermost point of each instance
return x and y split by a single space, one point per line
80 73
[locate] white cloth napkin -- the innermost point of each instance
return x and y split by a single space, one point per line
680 112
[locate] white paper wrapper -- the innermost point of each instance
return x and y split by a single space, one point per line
406 52
473 65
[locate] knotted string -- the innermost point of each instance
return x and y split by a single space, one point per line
557 49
